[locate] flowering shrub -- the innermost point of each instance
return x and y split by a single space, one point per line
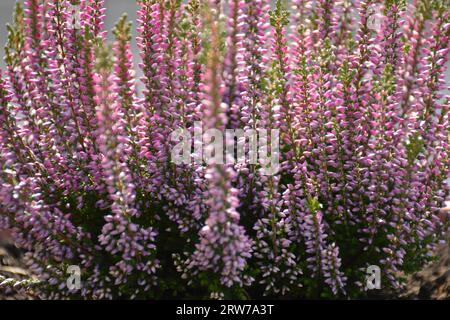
355 88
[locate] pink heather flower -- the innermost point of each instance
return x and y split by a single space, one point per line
87 177
120 235
224 247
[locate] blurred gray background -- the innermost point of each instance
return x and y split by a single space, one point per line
115 8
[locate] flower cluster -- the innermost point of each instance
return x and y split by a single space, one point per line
355 88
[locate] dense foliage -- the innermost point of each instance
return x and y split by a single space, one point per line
356 89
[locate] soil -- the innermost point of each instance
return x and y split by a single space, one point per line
433 282
11 266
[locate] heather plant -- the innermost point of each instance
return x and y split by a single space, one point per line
355 88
